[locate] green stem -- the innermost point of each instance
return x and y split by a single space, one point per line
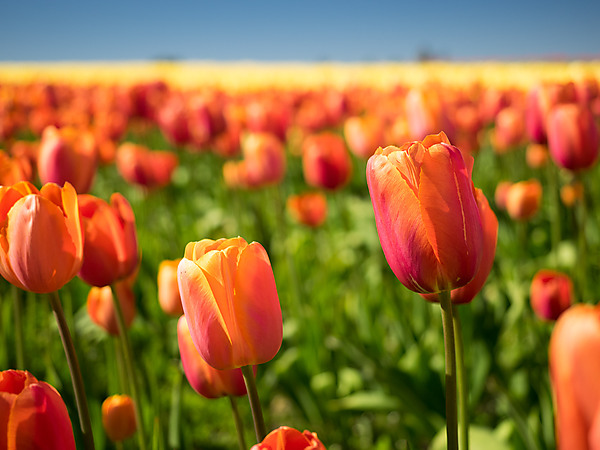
18 314
175 414
257 416
80 399
123 381
555 226
581 228
239 426
128 357
461 375
450 354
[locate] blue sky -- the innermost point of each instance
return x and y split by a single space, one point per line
306 30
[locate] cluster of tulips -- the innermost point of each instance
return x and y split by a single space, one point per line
437 230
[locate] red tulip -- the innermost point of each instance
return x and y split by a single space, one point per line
168 289
575 376
42 242
101 307
489 222
551 294
325 161
148 168
426 213
309 209
523 199
111 250
573 137
286 438
32 414
118 417
230 301
67 154
204 379
264 159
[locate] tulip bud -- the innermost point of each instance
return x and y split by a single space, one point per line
551 294
574 373
67 154
101 307
111 250
423 198
118 417
230 302
42 245
204 379
286 438
309 209
168 289
573 137
32 414
325 161
523 199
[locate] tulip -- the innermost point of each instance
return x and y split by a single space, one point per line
143 167
101 307
286 438
32 414
426 213
264 159
575 377
363 135
509 129
67 154
325 161
571 193
425 113
523 199
540 100
230 301
536 155
168 289
42 242
309 209
489 223
551 294
500 194
118 417
573 137
111 250
204 379
14 169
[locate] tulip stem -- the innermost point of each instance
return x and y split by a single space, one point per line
582 219
461 378
128 357
257 416
18 314
555 222
239 426
450 356
80 399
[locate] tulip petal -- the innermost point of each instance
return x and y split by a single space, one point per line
207 327
450 215
400 226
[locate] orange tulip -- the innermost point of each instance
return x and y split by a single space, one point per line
14 169
148 168
536 155
489 222
32 414
118 417
230 301
523 199
571 193
426 213
168 289
68 154
575 377
101 307
509 129
205 380
325 161
363 135
551 293
309 209
111 250
500 194
40 232
286 438
264 159
573 137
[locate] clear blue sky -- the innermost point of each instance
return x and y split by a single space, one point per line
308 30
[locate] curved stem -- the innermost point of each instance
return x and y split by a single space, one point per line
128 357
257 416
239 426
450 357
461 376
80 399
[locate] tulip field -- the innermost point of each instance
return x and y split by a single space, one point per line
149 160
